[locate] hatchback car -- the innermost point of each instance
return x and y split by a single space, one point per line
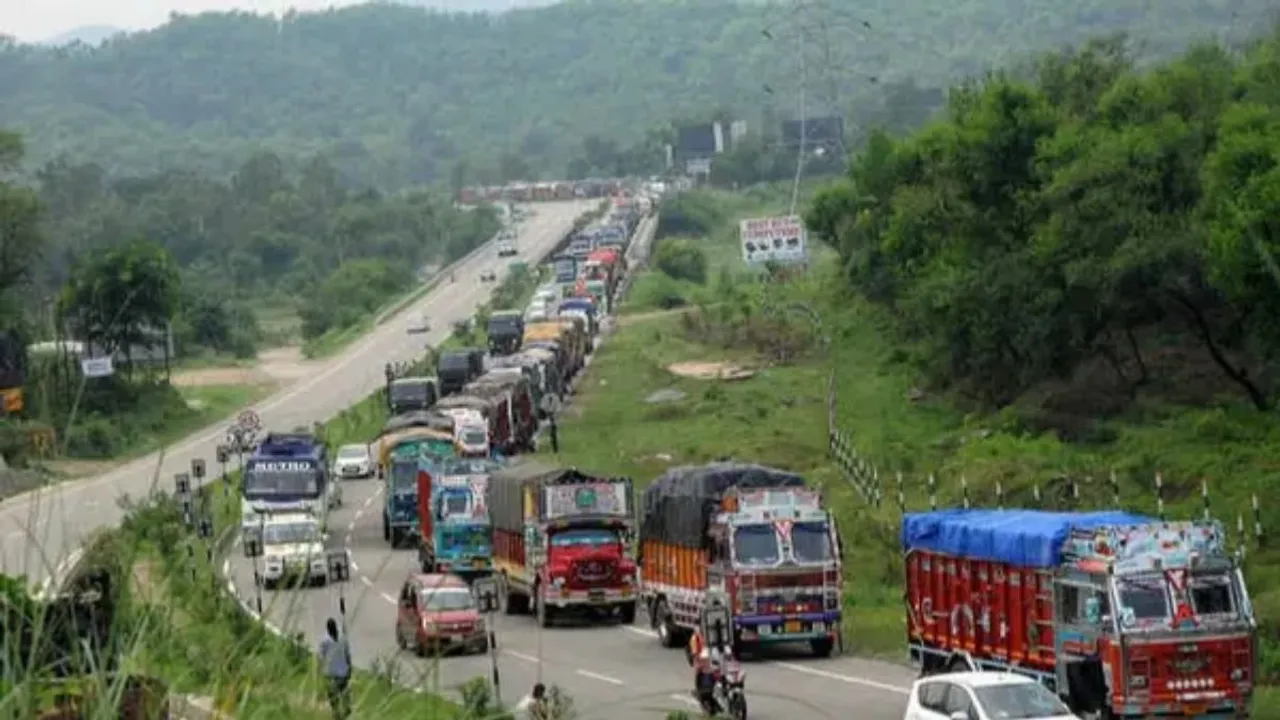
439 612
353 461
984 696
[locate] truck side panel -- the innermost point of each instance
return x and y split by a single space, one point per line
672 565
991 610
508 554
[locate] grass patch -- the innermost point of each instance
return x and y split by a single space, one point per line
779 418
334 340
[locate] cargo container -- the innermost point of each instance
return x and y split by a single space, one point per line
756 537
1122 615
562 541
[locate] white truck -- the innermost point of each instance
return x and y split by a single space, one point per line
294 548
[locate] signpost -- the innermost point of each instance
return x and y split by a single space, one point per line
779 240
97 367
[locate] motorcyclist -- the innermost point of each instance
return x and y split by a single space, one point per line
708 664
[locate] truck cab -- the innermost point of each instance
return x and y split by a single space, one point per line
411 393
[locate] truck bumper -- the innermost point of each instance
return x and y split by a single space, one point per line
786 628
607 597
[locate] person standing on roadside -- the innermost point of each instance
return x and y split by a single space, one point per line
335 660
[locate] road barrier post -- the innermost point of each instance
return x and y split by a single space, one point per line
486 592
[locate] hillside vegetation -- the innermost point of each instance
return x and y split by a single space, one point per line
399 95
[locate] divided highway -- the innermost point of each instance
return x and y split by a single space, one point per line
618 672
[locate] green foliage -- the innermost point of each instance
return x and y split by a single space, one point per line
1078 226
692 213
121 294
540 90
20 238
681 259
352 293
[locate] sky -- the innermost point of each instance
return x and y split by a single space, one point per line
36 20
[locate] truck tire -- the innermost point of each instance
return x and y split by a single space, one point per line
426 561
627 611
822 647
386 528
397 537
670 634
513 603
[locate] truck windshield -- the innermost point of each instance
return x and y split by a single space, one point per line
755 545
1143 598
455 504
1211 595
290 533
591 537
267 483
811 542
404 474
409 392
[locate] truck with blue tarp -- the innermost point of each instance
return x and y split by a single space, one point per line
403 453
756 537
287 473
456 535
1122 615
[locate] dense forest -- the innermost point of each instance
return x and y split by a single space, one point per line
1090 237
397 96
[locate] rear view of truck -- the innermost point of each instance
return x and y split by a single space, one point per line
752 535
1122 615
562 542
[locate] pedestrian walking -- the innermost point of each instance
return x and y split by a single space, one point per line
335 660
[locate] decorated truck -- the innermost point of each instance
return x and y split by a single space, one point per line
494 410
1122 615
404 454
561 541
456 536
757 538
518 395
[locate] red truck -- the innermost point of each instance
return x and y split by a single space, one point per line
514 391
1121 615
561 542
604 266
754 536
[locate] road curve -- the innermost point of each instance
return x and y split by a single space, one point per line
611 671
41 531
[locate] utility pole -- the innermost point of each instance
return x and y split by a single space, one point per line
802 108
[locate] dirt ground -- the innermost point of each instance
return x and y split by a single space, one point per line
277 365
710 371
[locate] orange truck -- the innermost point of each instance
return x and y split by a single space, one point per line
561 541
754 537
1122 615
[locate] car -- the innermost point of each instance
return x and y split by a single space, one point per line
488 276
506 248
983 696
293 547
421 325
353 461
438 611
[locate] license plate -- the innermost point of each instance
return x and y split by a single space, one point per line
596 596
1193 710
791 626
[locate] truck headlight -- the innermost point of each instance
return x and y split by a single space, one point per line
557 582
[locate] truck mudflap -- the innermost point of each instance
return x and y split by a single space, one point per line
565 597
787 628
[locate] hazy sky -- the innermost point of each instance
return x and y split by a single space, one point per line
34 20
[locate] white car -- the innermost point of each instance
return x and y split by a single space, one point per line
421 325
983 696
292 547
353 461
506 248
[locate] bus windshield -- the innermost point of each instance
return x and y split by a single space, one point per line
267 482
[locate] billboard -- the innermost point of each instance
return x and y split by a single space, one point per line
600 498
776 239
818 132
697 141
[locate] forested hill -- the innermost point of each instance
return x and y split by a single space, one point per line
396 95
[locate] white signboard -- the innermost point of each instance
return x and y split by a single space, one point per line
776 239
602 498
97 367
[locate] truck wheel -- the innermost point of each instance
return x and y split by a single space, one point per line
397 537
669 634
627 613
426 561
386 528
822 647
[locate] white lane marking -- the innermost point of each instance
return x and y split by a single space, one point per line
520 656
838 677
686 700
389 598
366 581
601 678
848 679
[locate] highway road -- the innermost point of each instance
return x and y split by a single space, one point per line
616 672
41 531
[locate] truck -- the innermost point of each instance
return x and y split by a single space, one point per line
493 410
562 541
454 519
564 333
411 393
505 330
286 472
518 395
456 368
470 433
1122 615
755 537
402 454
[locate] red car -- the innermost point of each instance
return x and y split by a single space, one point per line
439 612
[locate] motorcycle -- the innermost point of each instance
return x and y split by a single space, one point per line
729 694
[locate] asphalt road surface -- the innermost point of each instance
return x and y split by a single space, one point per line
40 532
611 671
